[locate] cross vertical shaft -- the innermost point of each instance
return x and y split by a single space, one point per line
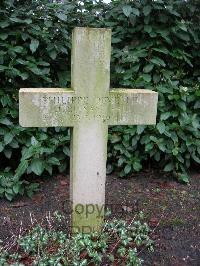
90 79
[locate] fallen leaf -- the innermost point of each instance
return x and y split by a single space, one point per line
153 222
63 182
19 204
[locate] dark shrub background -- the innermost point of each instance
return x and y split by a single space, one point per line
155 45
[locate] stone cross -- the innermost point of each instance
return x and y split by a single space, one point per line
88 108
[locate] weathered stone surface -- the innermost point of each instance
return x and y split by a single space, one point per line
89 107
90 78
49 107
46 107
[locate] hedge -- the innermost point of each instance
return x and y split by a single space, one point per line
155 45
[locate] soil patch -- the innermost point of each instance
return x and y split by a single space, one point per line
171 209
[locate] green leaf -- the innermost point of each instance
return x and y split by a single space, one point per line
3 36
9 196
137 166
28 21
34 45
28 152
161 127
183 177
147 10
4 24
148 68
116 40
36 70
135 11
146 77
165 116
148 28
15 19
9 190
149 146
62 167
53 54
194 157
109 168
158 61
49 169
14 144
140 129
1 146
169 167
33 186
182 105
66 151
43 63
161 50
53 160
161 146
127 10
63 78
184 36
34 141
2 68
156 78
120 162
134 141
157 156
37 166
174 12
1 190
132 19
17 49
61 16
115 138
8 152
24 75
127 169
21 169
16 188
8 137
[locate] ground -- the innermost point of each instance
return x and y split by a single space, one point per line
171 209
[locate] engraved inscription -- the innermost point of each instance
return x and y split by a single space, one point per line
78 108
85 100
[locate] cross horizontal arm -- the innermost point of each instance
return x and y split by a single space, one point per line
52 107
46 107
132 107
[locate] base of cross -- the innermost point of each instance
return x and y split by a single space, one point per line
89 107
87 218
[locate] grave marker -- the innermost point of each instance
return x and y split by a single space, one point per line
88 107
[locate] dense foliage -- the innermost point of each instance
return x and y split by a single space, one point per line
119 243
155 45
